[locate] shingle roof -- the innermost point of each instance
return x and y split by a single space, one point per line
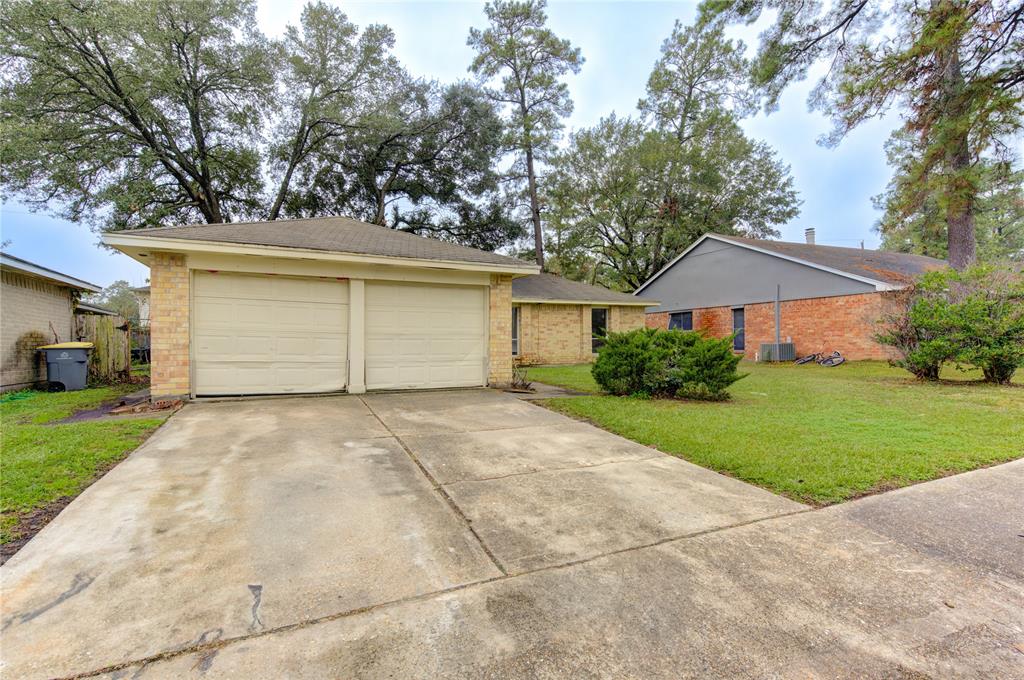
331 234
878 265
552 287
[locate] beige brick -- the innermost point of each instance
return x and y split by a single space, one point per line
28 307
561 334
169 318
500 333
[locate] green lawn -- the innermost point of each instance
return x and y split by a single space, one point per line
42 462
819 435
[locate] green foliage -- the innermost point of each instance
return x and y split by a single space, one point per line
626 196
132 113
706 369
529 60
661 363
913 221
954 69
119 297
974 318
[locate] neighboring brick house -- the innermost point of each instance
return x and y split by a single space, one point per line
830 298
35 303
558 321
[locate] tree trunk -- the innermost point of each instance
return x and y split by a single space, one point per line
960 190
538 235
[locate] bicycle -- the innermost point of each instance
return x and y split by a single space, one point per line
829 361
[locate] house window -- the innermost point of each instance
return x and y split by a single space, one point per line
680 320
515 331
737 327
598 327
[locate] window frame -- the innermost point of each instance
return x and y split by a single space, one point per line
739 341
595 342
517 323
686 314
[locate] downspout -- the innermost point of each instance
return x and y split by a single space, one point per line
778 321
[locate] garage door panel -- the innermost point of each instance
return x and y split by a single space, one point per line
422 336
269 334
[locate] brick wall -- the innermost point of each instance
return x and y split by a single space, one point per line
845 323
625 318
561 334
169 318
500 336
29 306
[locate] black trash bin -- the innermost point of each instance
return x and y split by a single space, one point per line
67 363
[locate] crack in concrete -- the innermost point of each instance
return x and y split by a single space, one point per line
217 644
440 490
555 469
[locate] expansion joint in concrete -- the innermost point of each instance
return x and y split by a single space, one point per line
440 490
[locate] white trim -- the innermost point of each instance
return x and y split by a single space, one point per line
599 303
24 266
130 245
880 286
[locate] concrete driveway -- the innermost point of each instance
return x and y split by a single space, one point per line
467 533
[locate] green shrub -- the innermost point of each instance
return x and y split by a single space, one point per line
974 318
661 363
705 370
987 320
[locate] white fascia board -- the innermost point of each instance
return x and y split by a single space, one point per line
131 245
880 286
19 265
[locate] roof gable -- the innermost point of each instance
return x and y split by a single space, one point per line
885 270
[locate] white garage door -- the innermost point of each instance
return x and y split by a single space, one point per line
268 334
421 336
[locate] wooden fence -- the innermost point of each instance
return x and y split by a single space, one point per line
111 354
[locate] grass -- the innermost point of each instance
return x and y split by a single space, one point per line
819 435
44 462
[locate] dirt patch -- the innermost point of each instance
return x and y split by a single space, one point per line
136 403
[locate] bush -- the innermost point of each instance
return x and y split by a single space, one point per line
705 370
975 317
663 363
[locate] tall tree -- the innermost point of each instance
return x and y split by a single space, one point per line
913 221
955 68
119 297
636 197
700 72
530 59
131 112
331 81
424 161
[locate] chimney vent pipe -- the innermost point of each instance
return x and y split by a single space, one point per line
809 235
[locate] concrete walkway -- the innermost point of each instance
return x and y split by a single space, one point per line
469 533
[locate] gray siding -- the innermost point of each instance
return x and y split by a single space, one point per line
717 274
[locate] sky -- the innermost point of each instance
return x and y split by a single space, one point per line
620 42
